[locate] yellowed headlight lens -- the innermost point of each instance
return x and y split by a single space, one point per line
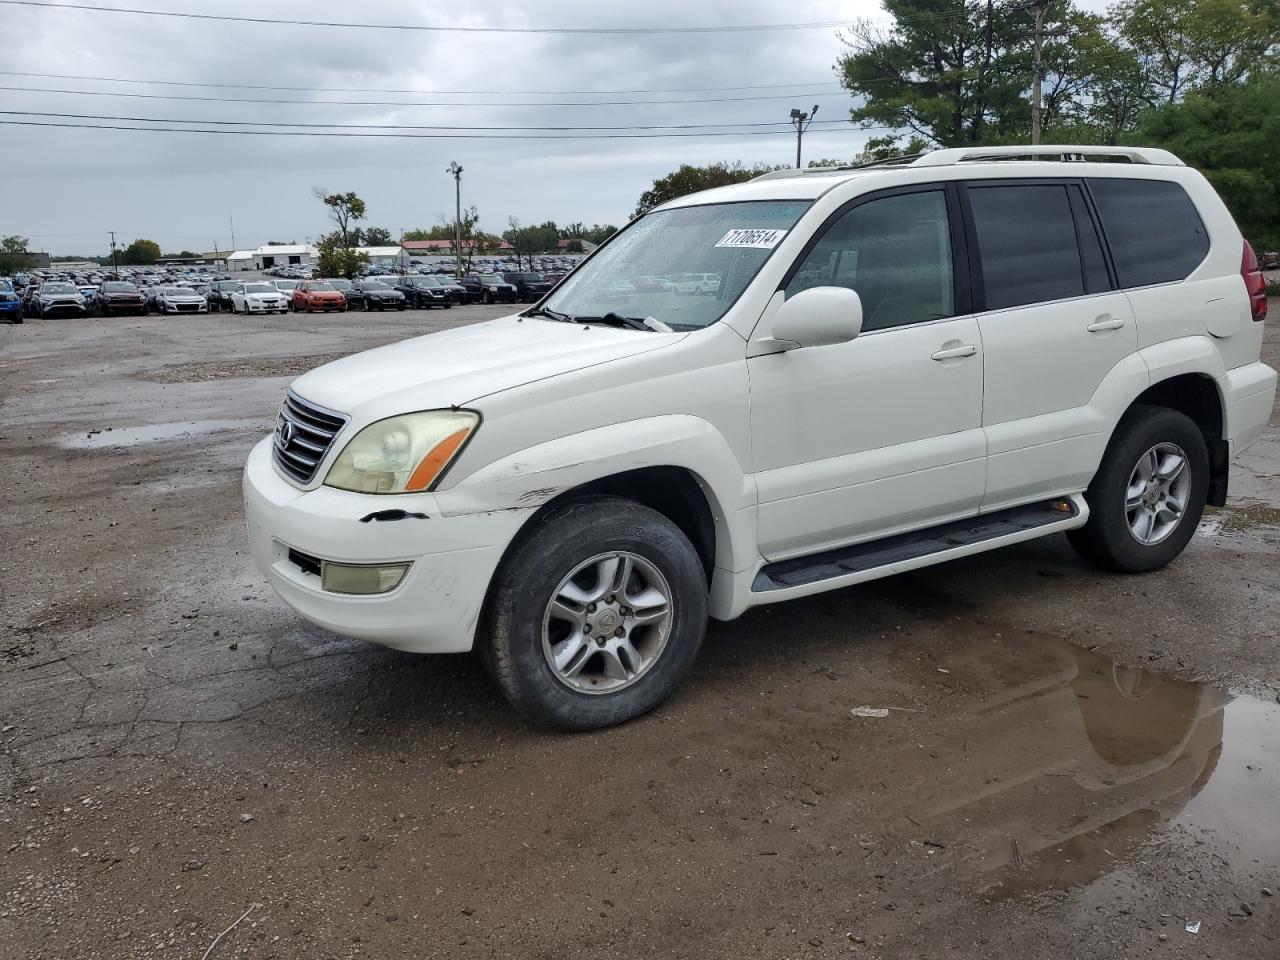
402 454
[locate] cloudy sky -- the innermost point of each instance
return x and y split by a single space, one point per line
65 188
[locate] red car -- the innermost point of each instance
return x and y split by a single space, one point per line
312 295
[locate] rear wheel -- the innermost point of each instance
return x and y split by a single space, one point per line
1148 494
597 615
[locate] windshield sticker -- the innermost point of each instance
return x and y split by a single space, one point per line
758 239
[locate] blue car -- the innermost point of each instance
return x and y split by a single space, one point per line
10 303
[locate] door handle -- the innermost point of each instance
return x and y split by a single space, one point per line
954 353
1105 322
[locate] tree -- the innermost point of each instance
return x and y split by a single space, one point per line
377 237
596 233
1184 45
1231 132
141 252
344 209
14 255
574 246
690 179
336 259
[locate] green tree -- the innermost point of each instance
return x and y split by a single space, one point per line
690 179
574 246
336 259
141 252
377 237
344 209
1183 45
1231 133
14 255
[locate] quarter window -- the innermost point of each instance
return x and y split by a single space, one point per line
1155 234
894 252
1027 244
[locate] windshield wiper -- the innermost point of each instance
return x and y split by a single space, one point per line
549 314
632 323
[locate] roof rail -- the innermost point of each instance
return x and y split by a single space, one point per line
1064 152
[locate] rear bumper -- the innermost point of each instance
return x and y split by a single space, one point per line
1250 396
437 606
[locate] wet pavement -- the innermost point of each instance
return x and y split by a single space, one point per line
1072 763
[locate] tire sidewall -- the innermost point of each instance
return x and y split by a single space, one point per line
1136 435
563 539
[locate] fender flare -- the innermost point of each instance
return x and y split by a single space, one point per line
531 477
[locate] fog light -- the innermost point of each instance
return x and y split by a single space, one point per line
361 578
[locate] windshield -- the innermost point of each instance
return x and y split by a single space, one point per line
725 243
6 286
373 285
119 288
259 288
321 286
58 288
340 284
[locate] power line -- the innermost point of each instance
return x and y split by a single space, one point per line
415 103
460 93
386 126
411 136
435 28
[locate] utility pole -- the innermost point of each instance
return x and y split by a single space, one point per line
801 120
232 220
115 268
1037 79
457 216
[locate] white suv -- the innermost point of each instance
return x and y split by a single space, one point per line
901 364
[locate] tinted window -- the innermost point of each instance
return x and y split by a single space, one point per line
1027 244
1152 226
1095 264
895 253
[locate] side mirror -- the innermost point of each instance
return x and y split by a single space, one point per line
818 317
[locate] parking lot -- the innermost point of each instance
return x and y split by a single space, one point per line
1070 759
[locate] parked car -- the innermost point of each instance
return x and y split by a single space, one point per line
286 287
180 300
695 283
220 295
259 297
312 295
529 286
350 292
489 288
59 299
10 303
120 296
456 292
901 367
379 296
422 292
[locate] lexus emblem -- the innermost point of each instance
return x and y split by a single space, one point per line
284 433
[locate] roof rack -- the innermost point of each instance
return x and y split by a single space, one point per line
1062 152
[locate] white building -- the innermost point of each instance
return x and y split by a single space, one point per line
240 260
284 255
386 257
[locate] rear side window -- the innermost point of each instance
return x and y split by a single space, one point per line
1153 229
1027 243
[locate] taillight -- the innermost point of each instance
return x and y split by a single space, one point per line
1255 283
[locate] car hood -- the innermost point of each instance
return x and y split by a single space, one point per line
458 366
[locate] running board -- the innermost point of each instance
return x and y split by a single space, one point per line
919 547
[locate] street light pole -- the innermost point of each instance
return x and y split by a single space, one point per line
456 170
115 269
1037 79
801 120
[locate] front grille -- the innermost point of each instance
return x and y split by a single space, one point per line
303 435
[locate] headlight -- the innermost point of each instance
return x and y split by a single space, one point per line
402 454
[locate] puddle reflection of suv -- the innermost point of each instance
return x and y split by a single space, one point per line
899 365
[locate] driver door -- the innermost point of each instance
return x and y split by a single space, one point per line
883 433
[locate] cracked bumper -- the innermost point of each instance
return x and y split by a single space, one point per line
437 606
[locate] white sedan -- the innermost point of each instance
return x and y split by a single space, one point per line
258 298
180 300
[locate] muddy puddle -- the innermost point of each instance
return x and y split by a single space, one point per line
154 433
1055 763
1239 518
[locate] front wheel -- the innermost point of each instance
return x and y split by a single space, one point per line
1148 494
597 615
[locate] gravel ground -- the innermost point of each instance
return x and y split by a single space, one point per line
1073 764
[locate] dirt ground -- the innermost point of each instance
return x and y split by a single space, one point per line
1073 763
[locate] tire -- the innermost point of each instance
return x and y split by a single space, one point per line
1134 540
448 304
586 532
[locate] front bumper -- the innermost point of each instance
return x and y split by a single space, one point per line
186 308
63 310
434 609
257 306
11 306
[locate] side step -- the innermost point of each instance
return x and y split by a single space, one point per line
830 564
